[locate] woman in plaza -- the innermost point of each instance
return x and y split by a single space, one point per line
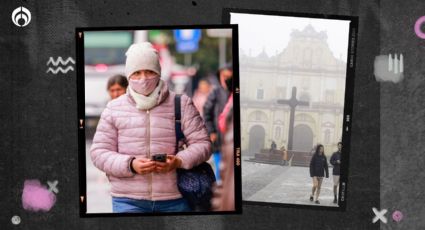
318 169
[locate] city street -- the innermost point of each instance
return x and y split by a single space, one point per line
282 184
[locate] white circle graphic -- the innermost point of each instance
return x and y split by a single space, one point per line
16 220
21 16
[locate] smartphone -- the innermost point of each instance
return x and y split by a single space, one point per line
162 157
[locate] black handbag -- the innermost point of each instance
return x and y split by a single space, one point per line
194 184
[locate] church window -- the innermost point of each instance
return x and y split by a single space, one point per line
329 96
307 58
260 94
277 132
327 136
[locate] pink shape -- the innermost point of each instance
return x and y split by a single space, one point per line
418 30
37 197
397 216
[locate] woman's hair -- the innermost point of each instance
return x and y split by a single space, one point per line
227 66
205 79
318 149
117 79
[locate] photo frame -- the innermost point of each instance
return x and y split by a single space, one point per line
111 43
261 28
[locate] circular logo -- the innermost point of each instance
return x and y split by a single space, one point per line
16 220
21 16
397 216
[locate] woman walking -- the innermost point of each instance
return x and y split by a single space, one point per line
318 168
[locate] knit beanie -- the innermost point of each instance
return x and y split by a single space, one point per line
142 56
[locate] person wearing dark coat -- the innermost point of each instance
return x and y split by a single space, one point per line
273 147
318 169
336 162
214 105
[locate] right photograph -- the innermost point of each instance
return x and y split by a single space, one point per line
296 88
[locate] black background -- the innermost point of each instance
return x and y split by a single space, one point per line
39 124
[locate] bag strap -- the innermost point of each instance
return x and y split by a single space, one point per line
178 124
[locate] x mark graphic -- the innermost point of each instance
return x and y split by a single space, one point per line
52 186
379 215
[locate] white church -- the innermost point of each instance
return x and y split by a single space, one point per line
308 64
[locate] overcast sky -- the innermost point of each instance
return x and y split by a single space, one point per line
272 33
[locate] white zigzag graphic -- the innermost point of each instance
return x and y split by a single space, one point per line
60 60
70 68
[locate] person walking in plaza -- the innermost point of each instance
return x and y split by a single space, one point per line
135 141
336 162
273 146
318 169
284 155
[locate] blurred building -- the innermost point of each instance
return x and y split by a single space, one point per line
308 64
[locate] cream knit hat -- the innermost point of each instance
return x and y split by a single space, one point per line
142 56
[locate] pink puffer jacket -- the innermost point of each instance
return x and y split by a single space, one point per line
125 132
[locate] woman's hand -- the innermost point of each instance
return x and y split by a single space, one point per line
172 163
143 165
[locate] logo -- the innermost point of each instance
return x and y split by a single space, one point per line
387 68
16 220
59 61
21 16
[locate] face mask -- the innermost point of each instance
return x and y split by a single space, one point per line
144 86
229 84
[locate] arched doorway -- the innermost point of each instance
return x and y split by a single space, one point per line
303 138
257 135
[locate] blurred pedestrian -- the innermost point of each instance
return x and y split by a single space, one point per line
117 86
224 193
214 105
135 140
201 94
284 155
318 167
273 146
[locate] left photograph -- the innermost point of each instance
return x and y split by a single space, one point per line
156 120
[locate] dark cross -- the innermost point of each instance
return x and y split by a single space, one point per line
292 102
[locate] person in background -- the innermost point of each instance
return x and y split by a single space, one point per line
224 193
284 155
273 146
117 86
318 167
135 141
224 114
213 107
201 94
336 162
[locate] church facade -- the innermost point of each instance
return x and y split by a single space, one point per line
308 64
